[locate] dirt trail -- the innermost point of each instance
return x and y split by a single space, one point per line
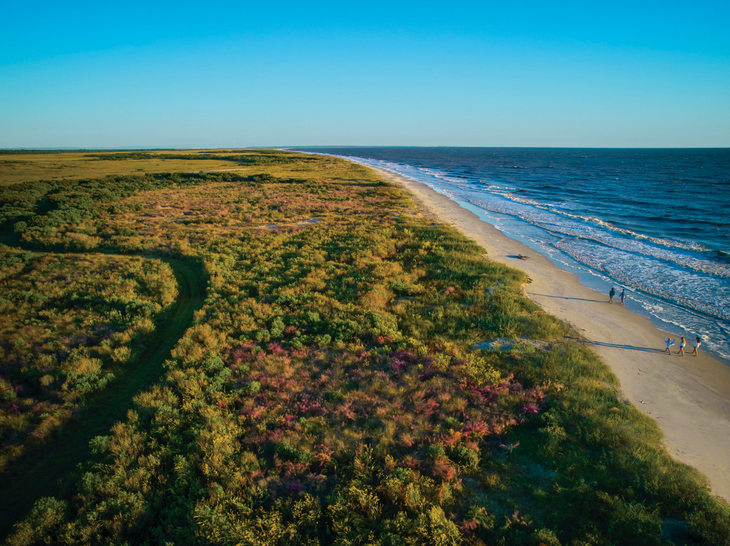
39 471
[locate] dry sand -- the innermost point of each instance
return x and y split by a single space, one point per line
688 396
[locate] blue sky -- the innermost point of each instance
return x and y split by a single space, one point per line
218 74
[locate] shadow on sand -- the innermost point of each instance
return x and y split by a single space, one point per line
629 347
565 298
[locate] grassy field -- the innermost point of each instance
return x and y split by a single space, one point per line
330 388
23 166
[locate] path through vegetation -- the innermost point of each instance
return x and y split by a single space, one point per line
39 472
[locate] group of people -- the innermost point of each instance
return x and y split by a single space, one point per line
682 343
668 341
622 295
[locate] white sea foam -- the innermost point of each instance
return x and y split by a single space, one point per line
703 293
566 227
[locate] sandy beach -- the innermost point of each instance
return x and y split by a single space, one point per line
688 396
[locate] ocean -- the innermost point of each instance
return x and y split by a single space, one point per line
655 222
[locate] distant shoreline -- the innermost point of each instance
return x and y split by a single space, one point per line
688 396
673 269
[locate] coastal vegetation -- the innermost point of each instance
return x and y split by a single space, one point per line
335 386
69 324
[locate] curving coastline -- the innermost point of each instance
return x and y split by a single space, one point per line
688 396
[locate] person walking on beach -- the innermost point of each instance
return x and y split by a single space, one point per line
669 342
698 342
682 343
622 295
611 294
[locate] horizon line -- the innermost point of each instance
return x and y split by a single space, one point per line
290 147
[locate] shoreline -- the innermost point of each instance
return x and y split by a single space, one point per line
688 396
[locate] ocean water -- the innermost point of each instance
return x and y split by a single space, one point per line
654 222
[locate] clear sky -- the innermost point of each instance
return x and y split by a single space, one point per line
219 74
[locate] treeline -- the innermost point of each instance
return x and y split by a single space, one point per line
248 159
36 152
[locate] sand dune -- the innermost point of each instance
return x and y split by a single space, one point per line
688 396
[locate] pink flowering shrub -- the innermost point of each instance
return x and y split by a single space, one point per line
325 404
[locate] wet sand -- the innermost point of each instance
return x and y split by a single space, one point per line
688 396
